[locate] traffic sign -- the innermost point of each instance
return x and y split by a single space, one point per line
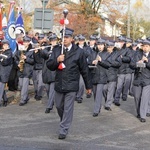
43 19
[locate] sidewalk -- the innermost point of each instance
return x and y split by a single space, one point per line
14 96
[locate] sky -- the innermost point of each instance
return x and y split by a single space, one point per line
29 5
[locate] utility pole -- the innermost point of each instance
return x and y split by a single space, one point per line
128 21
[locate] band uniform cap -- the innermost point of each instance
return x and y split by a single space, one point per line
76 38
110 43
35 45
26 39
52 36
139 41
81 37
100 41
128 40
122 39
146 42
5 41
134 44
93 37
148 38
41 36
68 32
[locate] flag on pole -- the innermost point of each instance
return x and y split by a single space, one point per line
1 17
10 31
11 7
20 25
4 22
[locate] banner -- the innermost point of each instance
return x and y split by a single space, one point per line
10 31
4 22
1 16
20 25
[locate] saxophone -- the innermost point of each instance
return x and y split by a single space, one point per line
22 48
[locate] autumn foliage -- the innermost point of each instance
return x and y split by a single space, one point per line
85 17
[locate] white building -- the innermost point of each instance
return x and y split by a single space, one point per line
111 29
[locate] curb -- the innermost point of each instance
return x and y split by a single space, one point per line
15 95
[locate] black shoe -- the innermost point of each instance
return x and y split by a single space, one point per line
22 103
95 115
148 115
138 116
61 136
131 94
117 103
35 97
108 108
88 95
143 120
11 89
4 103
38 98
48 110
79 101
124 99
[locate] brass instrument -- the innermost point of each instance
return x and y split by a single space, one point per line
21 48
3 56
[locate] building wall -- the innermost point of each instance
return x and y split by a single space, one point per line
111 29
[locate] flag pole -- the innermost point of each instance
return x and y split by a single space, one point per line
65 21
1 16
65 12
12 3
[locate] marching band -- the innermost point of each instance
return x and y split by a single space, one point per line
115 70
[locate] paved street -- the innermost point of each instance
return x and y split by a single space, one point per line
29 128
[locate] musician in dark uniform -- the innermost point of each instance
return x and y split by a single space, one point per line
141 83
37 69
48 76
124 72
67 79
6 62
134 51
82 45
13 79
99 76
113 62
88 53
25 62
